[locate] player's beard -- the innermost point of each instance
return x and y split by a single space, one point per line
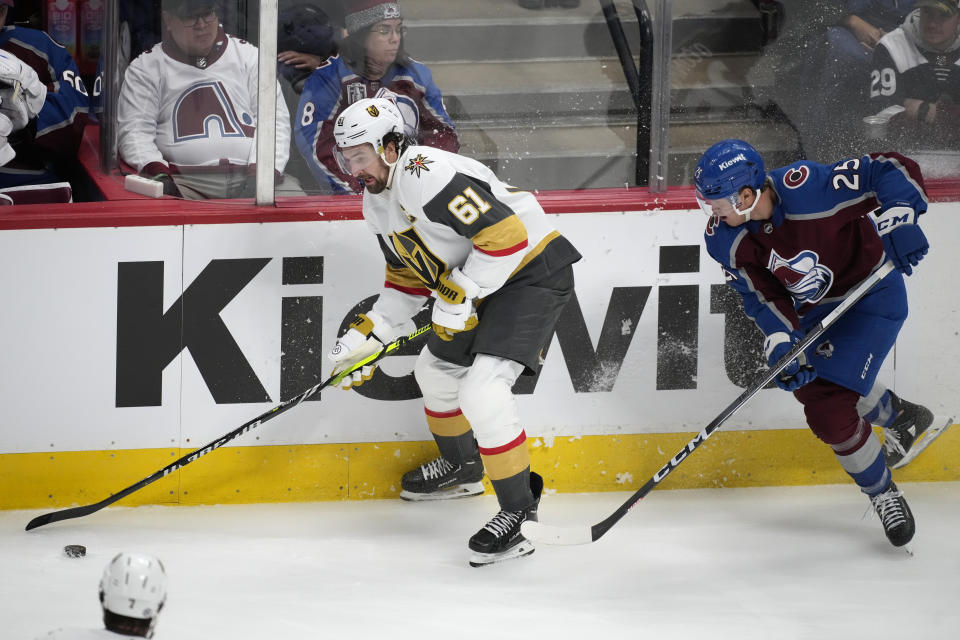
375 187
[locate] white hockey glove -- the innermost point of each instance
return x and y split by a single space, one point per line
453 310
21 92
6 151
352 347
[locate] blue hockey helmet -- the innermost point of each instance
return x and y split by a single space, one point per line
723 170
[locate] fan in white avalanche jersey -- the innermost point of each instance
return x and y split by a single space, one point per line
133 590
501 276
187 114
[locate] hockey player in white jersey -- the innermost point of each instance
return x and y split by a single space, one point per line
133 590
187 114
500 275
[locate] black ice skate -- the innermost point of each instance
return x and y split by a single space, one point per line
895 515
500 539
441 480
912 431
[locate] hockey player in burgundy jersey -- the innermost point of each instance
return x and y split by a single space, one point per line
53 105
792 243
500 275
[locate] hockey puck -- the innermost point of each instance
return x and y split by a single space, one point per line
75 551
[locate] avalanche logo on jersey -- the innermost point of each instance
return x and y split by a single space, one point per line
795 178
418 164
803 276
203 105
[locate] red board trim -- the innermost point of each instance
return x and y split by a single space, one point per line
125 209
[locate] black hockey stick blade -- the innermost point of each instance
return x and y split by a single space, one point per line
550 534
85 510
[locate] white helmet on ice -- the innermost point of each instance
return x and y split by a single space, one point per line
134 585
370 120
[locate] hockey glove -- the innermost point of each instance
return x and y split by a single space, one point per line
453 310
906 245
798 372
352 347
21 91
7 152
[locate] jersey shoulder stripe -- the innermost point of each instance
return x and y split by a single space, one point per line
503 238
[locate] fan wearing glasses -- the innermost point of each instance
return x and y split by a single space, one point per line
372 59
187 114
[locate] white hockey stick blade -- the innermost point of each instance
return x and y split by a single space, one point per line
547 534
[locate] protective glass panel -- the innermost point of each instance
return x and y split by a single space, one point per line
44 96
535 90
175 99
816 80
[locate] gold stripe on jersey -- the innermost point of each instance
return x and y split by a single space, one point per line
503 238
403 277
450 424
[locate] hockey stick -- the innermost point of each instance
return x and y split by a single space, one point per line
77 512
538 532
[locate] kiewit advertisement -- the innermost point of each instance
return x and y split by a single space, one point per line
165 338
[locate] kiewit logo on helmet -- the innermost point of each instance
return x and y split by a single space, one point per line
732 161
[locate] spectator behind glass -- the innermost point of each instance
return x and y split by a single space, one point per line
915 76
41 124
307 34
372 57
187 113
849 48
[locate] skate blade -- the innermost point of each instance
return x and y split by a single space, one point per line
458 491
525 548
937 427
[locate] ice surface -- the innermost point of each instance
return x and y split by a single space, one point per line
784 563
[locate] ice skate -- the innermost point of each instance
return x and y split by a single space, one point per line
913 430
895 515
500 539
440 479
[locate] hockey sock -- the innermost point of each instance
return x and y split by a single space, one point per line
877 407
458 449
453 435
508 467
862 458
514 493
